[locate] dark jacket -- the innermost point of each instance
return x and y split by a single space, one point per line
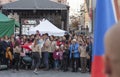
5 45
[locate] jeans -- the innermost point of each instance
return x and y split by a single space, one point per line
46 59
65 64
83 64
16 61
51 60
56 62
36 58
75 64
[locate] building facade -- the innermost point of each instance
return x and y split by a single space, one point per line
30 14
85 19
60 1
88 15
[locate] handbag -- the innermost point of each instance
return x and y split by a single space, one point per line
88 56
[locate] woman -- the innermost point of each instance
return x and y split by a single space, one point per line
74 55
36 55
16 51
53 47
83 57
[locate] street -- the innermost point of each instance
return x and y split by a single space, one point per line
25 73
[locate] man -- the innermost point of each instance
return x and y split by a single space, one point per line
112 52
2 53
46 50
38 33
89 51
74 55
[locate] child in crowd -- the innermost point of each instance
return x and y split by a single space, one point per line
16 50
56 57
61 56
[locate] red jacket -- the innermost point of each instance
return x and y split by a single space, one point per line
56 55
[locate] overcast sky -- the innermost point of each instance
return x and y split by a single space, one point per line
75 5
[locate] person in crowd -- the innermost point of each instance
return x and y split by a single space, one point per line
61 56
56 57
36 56
65 57
83 56
2 53
5 45
16 52
74 55
38 41
26 51
63 40
18 39
53 47
41 43
67 36
46 50
75 36
13 37
22 54
9 56
22 41
12 42
89 53
38 33
32 38
58 41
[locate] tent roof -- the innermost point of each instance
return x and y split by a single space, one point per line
17 24
47 27
35 4
4 18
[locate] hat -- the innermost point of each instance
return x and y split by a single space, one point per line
74 40
57 47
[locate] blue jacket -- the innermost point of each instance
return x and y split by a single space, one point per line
76 53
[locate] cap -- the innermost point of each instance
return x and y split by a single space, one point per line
74 40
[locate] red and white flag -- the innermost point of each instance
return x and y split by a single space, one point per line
27 46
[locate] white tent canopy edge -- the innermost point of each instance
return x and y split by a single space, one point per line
47 27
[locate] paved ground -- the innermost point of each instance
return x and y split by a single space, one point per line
26 73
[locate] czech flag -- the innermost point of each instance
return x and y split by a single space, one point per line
105 17
27 46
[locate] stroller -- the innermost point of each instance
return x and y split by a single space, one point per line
27 61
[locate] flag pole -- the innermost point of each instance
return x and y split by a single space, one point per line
92 16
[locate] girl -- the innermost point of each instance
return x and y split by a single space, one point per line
36 56
16 50
56 57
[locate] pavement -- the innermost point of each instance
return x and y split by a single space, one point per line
50 73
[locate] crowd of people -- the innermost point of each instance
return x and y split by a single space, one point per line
69 52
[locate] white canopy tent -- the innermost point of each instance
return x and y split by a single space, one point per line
47 27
